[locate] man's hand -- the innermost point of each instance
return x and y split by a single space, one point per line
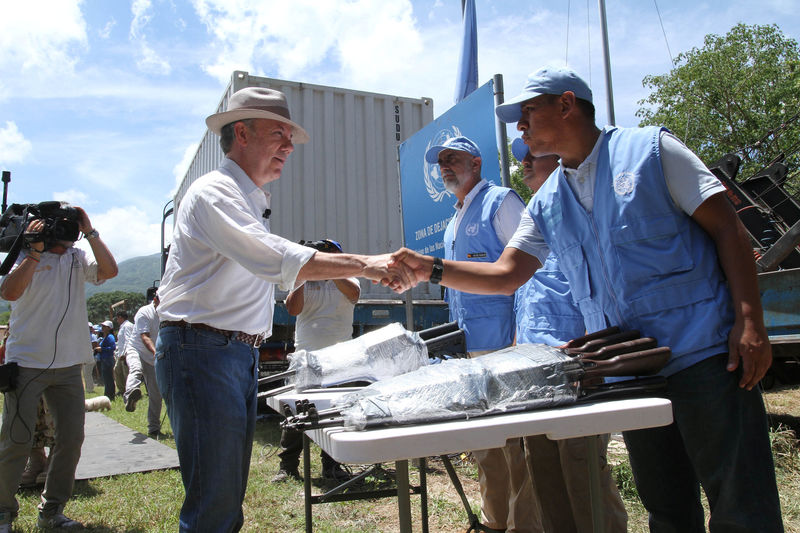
748 342
33 235
420 265
84 225
381 269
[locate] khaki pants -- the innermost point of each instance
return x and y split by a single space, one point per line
63 392
507 497
560 471
508 500
120 374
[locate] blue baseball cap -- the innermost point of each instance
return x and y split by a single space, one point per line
519 149
462 144
546 80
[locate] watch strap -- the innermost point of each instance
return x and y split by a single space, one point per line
437 271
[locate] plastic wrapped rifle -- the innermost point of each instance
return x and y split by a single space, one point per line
380 354
518 378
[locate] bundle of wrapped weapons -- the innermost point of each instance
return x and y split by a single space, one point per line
380 354
522 377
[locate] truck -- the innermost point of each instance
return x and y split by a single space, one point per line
342 185
771 216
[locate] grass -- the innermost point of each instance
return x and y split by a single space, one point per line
150 502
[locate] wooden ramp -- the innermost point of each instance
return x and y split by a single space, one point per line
110 448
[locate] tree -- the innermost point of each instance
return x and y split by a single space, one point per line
98 305
739 93
515 169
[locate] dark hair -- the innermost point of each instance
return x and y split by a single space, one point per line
226 134
123 314
586 108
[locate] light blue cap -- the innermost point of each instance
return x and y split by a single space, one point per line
546 80
519 149
462 144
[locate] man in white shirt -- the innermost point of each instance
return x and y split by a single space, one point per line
217 300
324 311
140 355
49 343
121 366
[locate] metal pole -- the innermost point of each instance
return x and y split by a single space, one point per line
500 128
601 4
165 213
408 296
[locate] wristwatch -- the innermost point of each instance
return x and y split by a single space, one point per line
92 234
437 271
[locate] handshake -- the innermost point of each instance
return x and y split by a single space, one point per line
400 271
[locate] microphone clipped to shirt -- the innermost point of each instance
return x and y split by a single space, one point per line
267 213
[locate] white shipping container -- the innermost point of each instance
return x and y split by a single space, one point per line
344 184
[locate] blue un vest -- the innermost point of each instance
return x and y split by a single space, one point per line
487 320
637 260
546 312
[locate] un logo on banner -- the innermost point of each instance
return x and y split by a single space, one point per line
433 176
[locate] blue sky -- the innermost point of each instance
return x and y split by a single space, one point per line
102 102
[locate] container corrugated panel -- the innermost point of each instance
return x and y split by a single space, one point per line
344 183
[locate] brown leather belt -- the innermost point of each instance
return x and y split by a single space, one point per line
252 340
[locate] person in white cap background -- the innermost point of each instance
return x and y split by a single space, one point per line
547 314
648 241
140 355
485 219
106 358
217 300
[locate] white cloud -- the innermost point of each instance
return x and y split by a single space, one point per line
179 170
43 38
73 197
149 60
14 147
105 32
365 39
126 232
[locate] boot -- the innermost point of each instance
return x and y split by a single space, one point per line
35 470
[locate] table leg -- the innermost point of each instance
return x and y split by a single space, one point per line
403 496
307 482
593 445
423 493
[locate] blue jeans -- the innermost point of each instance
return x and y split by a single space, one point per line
719 440
107 371
209 384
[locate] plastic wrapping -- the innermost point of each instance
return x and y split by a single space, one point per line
389 351
526 376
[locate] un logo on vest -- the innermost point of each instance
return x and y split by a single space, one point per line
472 230
432 174
624 182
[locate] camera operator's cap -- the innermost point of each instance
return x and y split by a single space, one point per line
519 149
546 80
108 324
462 144
257 102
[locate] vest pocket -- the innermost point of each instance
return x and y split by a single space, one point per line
574 267
651 247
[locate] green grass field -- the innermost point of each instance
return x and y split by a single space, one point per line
150 502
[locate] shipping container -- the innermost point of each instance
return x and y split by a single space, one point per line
344 183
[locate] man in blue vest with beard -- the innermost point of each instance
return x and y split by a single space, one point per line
648 241
485 219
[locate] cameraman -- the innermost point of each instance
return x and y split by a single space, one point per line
48 341
324 311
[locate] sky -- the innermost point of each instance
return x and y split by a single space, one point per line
102 104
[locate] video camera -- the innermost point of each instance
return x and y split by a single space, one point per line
60 224
324 245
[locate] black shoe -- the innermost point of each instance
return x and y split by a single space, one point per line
336 473
285 475
157 435
130 403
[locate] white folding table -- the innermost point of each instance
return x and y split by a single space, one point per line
399 444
